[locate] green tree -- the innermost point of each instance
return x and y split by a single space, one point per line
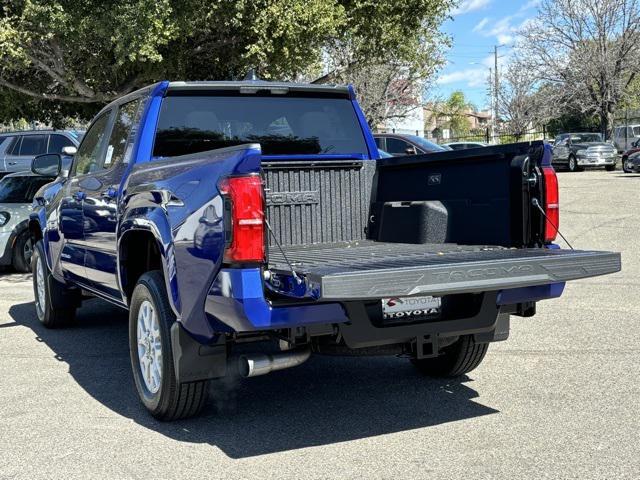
453 114
70 57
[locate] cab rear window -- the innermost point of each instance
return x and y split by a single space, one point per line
281 125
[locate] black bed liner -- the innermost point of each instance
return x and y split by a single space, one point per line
367 269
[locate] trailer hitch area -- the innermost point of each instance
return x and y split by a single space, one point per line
429 346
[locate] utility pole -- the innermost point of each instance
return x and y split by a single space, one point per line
495 83
492 98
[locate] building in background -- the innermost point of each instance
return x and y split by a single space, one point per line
438 124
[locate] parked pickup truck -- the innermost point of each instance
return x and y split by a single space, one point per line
256 213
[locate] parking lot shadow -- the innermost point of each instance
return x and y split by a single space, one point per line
325 401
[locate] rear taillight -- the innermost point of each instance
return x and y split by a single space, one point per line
551 204
246 199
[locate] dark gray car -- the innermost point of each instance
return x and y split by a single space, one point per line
576 151
17 149
400 145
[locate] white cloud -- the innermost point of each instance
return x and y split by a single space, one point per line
481 24
529 4
504 30
466 6
471 77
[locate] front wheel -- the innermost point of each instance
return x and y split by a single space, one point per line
150 320
55 305
610 168
627 165
573 164
455 360
22 253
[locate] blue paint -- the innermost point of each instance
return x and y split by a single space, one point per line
366 131
530 294
143 145
236 299
547 155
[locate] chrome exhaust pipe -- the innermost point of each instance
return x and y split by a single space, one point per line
261 364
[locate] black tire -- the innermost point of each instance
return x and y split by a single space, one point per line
610 168
624 165
57 306
22 253
455 360
573 164
172 400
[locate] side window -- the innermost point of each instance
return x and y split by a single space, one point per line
33 145
87 159
15 148
57 143
379 142
122 134
396 146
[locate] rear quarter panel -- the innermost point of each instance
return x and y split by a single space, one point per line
178 201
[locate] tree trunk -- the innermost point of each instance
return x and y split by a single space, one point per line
605 122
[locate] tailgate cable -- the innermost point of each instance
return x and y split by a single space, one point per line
536 203
275 239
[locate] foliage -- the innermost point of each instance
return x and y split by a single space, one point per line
72 57
588 49
453 114
573 122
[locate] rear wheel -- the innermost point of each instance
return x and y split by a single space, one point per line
457 359
150 320
22 253
55 306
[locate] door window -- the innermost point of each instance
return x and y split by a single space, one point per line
14 149
379 142
57 143
397 146
122 135
88 158
33 145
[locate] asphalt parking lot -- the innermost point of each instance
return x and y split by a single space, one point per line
559 399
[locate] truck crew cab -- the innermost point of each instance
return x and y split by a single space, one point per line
220 213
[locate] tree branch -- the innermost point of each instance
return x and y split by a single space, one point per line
53 96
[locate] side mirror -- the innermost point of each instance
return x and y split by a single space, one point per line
69 150
410 151
47 165
635 144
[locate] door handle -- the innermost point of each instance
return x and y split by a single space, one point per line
79 195
12 163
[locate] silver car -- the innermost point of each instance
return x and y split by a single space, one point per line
16 196
17 149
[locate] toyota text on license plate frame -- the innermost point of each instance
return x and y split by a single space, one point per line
407 307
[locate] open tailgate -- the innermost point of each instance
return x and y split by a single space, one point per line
371 270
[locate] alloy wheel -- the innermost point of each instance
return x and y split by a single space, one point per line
149 346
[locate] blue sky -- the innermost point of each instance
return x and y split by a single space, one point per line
476 26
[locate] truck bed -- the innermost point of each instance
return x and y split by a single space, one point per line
368 269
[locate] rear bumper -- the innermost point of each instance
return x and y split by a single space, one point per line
236 301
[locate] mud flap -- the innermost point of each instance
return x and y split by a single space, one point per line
193 361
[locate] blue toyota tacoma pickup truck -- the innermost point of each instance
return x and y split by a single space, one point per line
257 213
